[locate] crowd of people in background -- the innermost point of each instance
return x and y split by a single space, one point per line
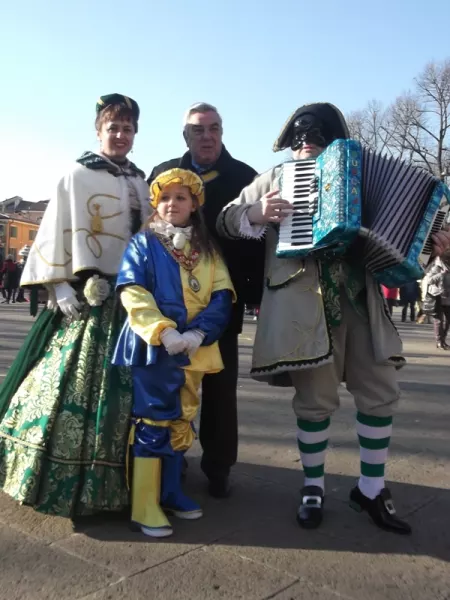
437 298
10 274
427 300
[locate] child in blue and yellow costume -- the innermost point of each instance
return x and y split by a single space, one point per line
178 295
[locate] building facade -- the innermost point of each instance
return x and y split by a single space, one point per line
34 211
16 235
19 224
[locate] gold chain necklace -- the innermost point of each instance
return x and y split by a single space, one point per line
187 262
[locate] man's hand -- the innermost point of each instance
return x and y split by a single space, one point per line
441 242
173 341
270 209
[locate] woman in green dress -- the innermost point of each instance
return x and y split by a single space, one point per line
64 409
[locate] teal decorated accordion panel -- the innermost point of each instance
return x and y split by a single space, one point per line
338 173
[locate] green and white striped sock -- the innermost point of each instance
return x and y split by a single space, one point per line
374 435
312 438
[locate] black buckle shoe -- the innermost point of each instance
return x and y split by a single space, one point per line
310 511
381 510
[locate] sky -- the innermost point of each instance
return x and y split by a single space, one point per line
256 60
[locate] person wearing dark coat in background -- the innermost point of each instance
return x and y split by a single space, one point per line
224 178
2 289
409 295
21 293
391 296
10 279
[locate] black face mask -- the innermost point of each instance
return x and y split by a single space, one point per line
308 129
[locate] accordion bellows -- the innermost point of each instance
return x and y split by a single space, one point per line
352 200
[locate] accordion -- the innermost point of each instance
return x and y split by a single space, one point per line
351 199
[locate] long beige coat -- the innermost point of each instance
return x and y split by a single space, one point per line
292 331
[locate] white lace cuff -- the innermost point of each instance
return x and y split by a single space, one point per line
249 230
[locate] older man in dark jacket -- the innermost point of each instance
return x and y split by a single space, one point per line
224 178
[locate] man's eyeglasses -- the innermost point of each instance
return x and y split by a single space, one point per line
199 130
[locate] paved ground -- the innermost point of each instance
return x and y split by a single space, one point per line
250 546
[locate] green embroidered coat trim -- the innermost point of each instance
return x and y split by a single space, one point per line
336 274
93 161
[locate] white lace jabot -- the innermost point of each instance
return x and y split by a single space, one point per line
179 235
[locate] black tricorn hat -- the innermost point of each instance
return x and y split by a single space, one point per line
330 115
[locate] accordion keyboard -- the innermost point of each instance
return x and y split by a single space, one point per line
296 231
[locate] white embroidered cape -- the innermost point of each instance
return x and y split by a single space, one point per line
86 226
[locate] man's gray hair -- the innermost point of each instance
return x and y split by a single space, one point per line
199 107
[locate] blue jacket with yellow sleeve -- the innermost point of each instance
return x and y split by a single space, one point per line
156 294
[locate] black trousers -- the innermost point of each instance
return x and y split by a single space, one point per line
412 308
218 418
11 293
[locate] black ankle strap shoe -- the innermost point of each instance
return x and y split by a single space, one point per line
310 511
381 510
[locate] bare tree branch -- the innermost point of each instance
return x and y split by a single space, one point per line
370 127
416 127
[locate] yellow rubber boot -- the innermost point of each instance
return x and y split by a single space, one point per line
146 490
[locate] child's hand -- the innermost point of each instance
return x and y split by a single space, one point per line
194 339
173 341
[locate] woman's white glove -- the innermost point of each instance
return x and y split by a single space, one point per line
194 339
67 300
173 341
51 302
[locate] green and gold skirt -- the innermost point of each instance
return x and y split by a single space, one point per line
64 426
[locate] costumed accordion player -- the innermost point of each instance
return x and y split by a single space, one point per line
353 199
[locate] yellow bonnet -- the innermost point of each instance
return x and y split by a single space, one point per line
180 176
